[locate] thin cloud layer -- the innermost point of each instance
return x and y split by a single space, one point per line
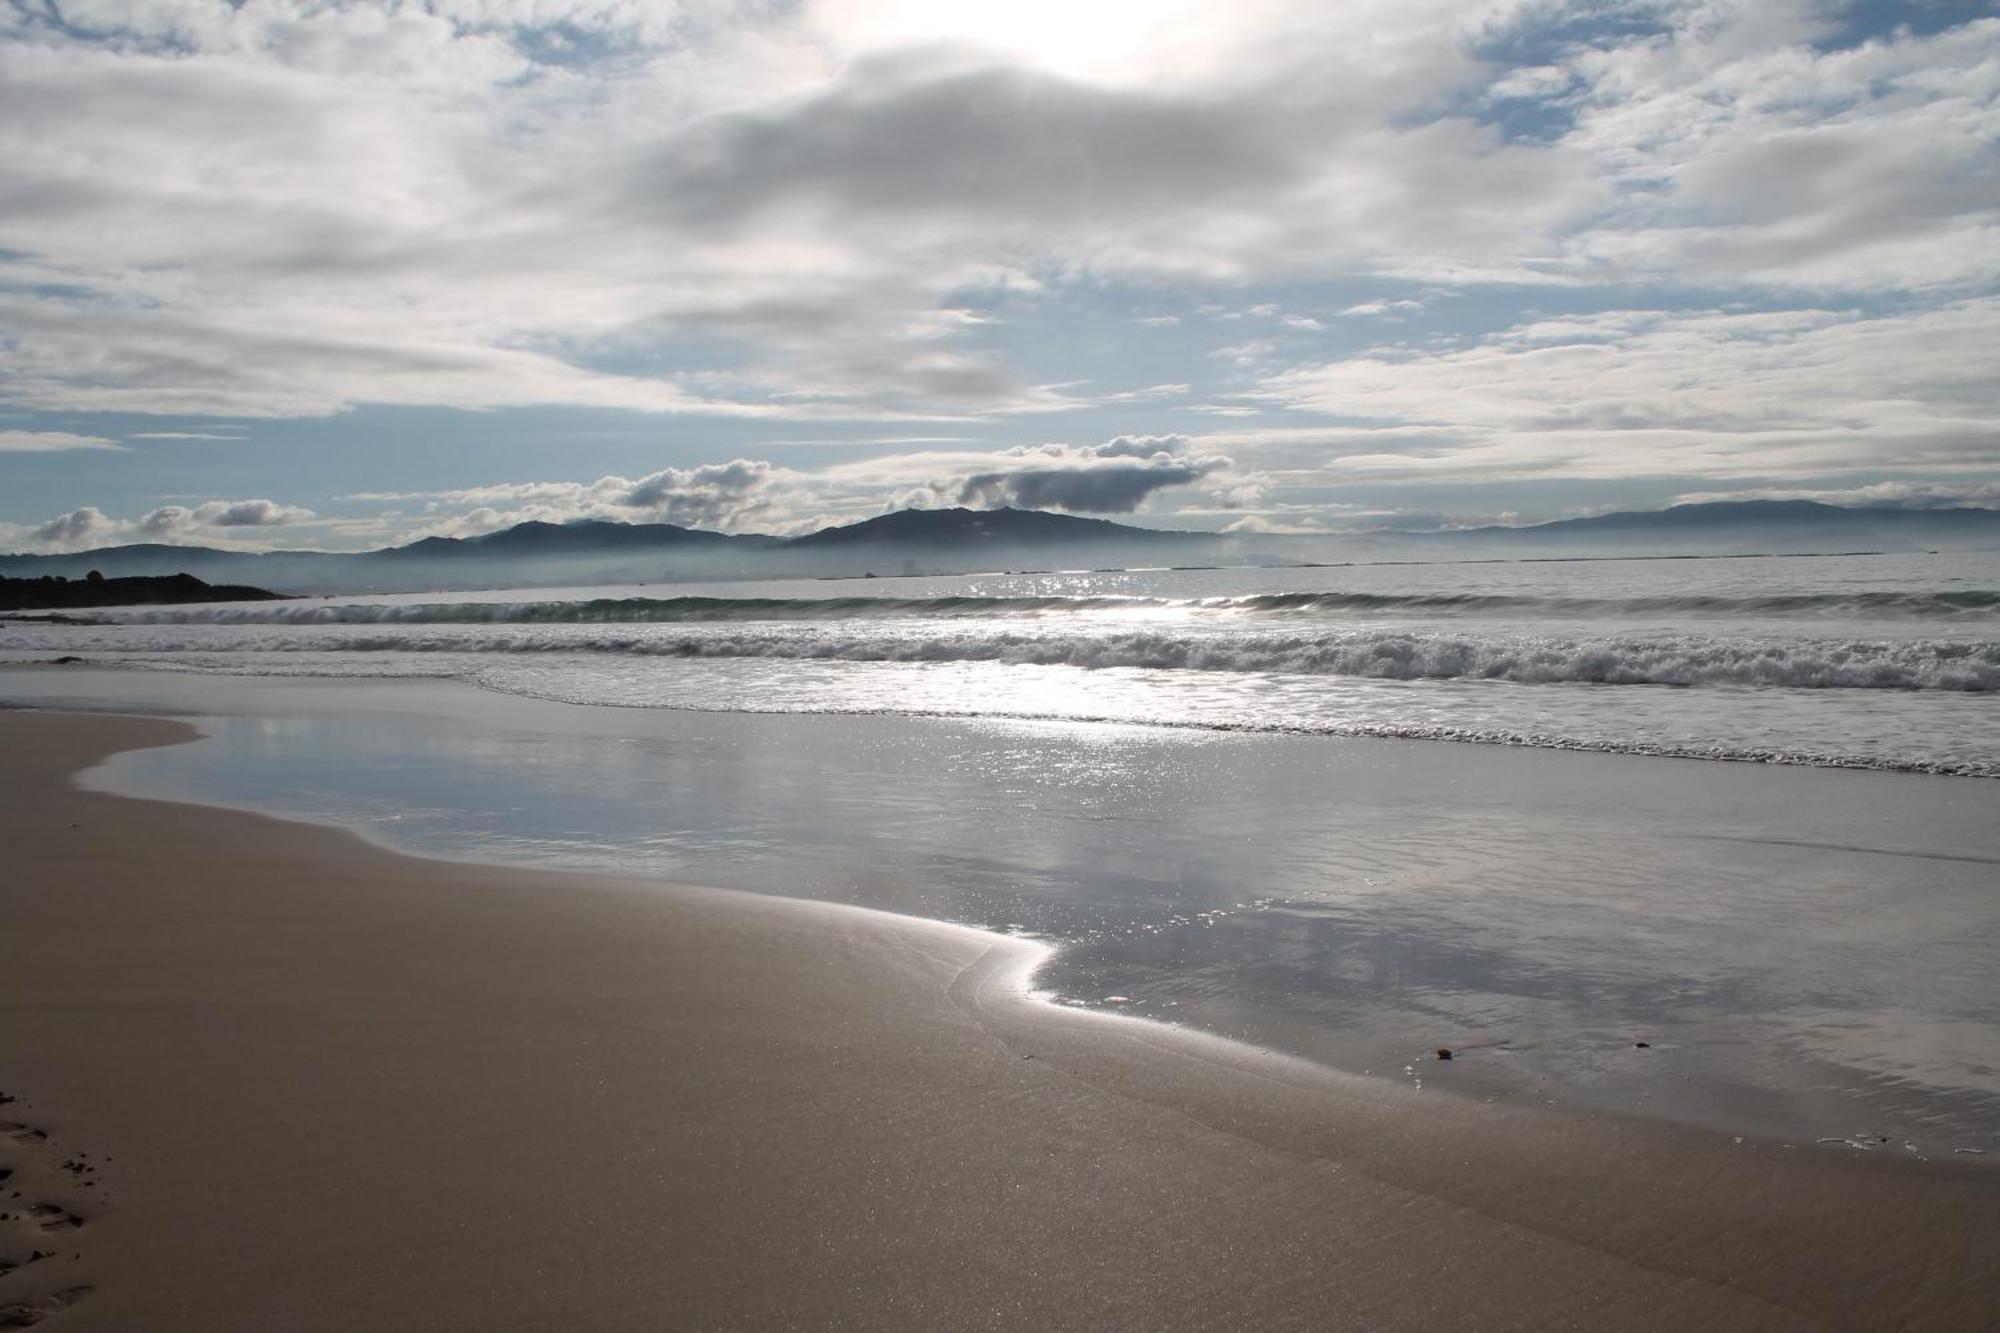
1881 494
411 207
1670 393
51 442
1744 154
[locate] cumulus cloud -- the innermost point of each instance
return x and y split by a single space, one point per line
169 522
740 495
755 495
80 528
1114 489
230 523
1116 477
1140 446
716 495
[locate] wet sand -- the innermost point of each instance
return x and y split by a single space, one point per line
1809 952
271 1076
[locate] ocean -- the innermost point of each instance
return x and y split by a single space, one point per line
1707 840
1886 661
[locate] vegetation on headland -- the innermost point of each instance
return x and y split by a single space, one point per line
54 593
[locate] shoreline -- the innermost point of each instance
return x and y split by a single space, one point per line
321 1084
1440 734
1502 928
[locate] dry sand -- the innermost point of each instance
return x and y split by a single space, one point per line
290 1080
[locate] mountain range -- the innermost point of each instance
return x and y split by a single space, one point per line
1778 524
958 540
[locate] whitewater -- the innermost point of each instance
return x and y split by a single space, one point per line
1874 661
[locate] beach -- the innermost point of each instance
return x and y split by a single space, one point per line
312 1083
999 666
1779 951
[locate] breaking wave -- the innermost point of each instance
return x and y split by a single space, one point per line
618 610
1963 605
1654 659
1900 605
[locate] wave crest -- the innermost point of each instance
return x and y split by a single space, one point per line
1669 660
1962 605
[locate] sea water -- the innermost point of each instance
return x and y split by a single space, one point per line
1865 661
1203 786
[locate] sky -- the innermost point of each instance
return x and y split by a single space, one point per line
340 275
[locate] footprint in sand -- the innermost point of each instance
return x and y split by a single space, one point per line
20 1314
46 1198
49 1217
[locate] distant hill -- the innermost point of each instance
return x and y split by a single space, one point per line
139 558
587 551
585 536
600 551
1725 526
597 551
52 593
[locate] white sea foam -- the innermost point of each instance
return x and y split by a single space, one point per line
1956 606
1685 660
